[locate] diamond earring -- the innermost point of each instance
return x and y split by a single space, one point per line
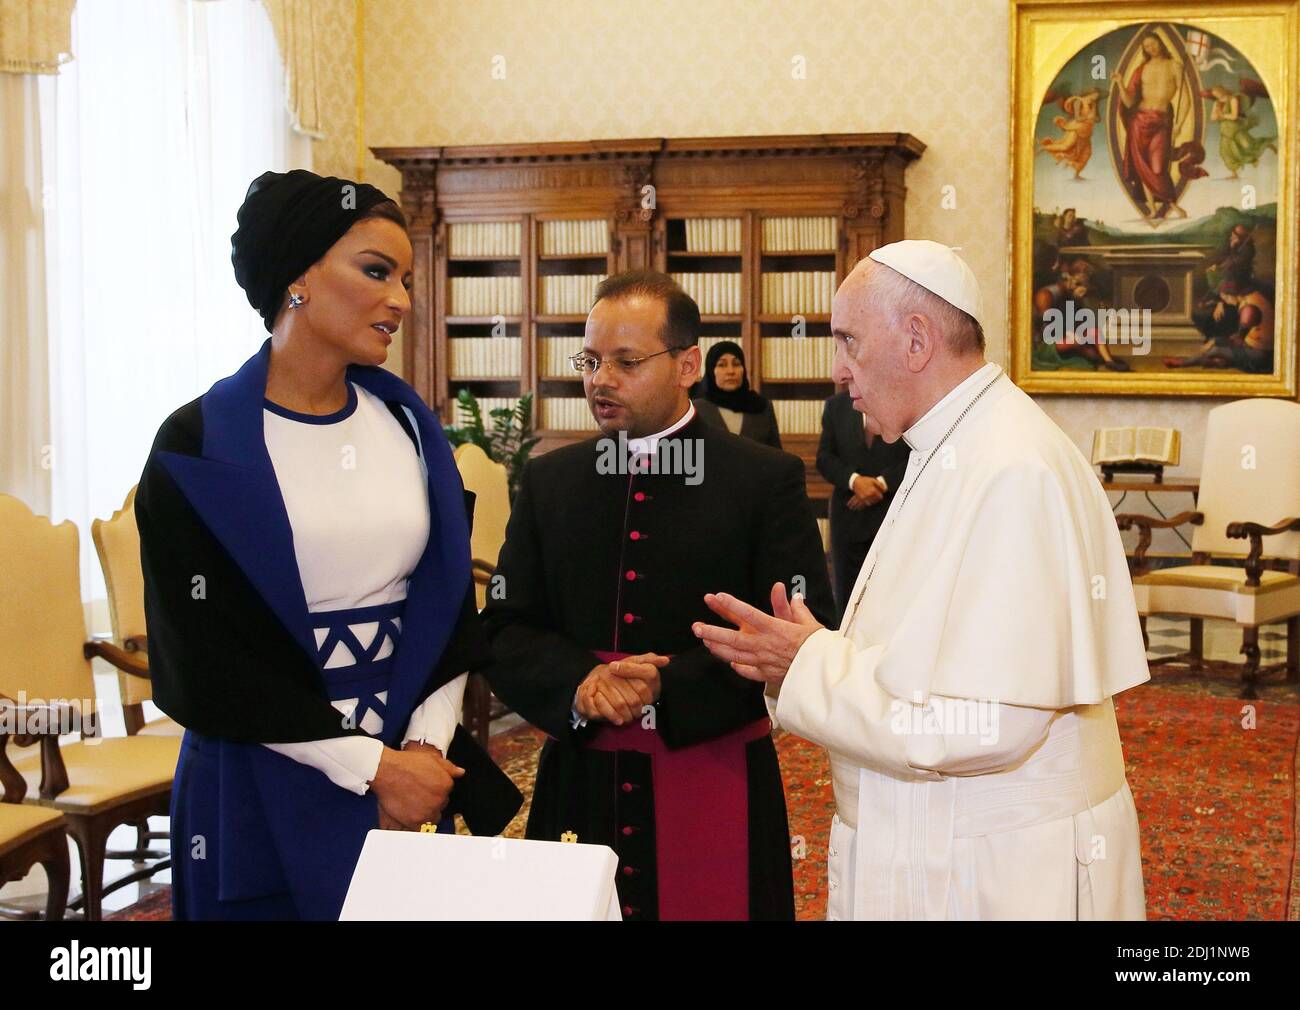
295 300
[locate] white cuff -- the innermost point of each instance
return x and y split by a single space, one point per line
435 720
575 720
830 696
350 762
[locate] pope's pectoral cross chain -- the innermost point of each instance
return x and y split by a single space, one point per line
902 501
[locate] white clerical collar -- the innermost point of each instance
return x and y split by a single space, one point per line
650 443
924 435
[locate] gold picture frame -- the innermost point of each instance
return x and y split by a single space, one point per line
1155 178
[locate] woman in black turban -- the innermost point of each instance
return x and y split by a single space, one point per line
305 543
729 403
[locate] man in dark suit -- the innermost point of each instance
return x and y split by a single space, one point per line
656 748
864 471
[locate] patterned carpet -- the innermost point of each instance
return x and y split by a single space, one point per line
1213 778
1216 803
153 907
1214 782
804 768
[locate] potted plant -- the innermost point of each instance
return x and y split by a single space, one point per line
508 441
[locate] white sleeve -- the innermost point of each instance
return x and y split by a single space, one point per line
831 696
435 720
350 762
771 695
575 720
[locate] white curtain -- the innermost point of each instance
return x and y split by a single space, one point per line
24 369
152 158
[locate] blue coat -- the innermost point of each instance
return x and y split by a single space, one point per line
255 833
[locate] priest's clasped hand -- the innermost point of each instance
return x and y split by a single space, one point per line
762 646
413 786
618 692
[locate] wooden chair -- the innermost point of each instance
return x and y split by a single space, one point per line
96 783
29 835
487 479
117 541
1250 489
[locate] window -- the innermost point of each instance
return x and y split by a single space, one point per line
169 109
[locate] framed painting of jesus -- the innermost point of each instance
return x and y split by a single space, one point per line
1154 197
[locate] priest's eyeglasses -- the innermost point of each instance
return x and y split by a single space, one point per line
589 364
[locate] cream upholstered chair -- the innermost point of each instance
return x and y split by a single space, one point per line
29 834
1250 489
97 783
117 541
487 479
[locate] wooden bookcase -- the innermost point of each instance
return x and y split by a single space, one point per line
507 211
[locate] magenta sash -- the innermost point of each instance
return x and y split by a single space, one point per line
701 797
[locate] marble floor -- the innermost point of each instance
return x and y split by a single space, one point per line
1169 636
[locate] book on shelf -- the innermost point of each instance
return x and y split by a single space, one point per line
716 294
567 294
798 357
802 292
484 238
1136 445
567 413
712 235
555 356
575 238
485 356
486 296
798 417
799 234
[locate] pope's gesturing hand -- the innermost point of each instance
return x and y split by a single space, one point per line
762 646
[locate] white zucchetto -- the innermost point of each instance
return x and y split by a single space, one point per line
938 269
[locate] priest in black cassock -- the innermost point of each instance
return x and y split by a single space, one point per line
655 748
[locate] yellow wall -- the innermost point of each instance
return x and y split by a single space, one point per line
582 69
337 78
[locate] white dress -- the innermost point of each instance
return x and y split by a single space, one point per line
355 491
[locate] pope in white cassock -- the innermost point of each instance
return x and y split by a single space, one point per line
966 699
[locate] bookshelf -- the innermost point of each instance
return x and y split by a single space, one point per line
511 240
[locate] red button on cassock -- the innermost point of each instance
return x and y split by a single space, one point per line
639 496
635 535
629 830
628 871
627 787
629 618
627 909
630 575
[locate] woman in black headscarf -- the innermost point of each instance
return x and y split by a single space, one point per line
729 403
305 543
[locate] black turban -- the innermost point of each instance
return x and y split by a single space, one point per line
288 221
